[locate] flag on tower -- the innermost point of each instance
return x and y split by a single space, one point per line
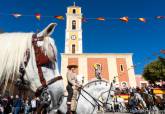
142 19
124 19
38 16
16 15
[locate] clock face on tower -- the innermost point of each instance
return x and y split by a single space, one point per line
73 37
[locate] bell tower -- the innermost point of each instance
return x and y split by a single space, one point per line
73 32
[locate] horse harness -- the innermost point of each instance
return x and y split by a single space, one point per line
97 102
41 60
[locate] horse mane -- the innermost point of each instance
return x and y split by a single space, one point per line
94 82
13 47
47 48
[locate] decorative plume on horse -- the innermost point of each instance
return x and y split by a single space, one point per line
31 57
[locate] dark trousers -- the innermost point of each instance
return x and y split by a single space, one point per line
70 92
69 98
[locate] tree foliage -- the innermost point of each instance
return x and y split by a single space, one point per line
155 71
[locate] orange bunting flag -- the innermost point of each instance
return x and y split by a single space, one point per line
160 17
100 18
16 15
142 19
59 17
124 19
38 16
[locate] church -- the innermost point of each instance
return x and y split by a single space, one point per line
110 65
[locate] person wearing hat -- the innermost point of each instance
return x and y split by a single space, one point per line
72 85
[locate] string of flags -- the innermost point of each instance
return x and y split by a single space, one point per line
122 19
125 19
37 16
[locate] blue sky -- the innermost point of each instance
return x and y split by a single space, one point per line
142 39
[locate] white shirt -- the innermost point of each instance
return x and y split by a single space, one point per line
33 103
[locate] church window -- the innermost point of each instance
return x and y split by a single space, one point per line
73 24
73 48
121 68
74 11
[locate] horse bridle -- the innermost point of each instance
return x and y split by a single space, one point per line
108 93
98 102
40 56
41 59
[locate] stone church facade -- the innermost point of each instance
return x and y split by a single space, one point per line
119 65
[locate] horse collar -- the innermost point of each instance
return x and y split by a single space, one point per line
42 88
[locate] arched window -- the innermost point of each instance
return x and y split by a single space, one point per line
73 24
74 11
121 68
73 48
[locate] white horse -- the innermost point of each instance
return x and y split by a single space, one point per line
88 99
13 48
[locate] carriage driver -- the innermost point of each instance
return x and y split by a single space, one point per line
72 88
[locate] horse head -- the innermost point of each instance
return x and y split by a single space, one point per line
36 54
46 61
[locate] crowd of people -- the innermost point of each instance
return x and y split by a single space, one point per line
147 96
147 89
17 105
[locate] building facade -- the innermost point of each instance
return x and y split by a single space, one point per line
140 81
119 65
